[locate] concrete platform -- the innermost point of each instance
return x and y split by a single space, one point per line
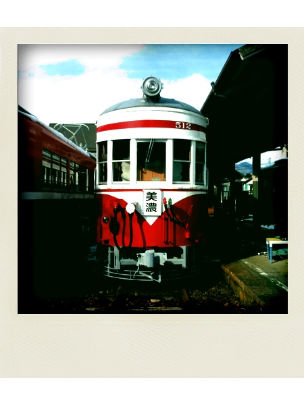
259 283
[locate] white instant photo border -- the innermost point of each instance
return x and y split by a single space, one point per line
148 345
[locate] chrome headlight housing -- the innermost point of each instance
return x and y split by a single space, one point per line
152 86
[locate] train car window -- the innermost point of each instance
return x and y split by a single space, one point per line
83 179
181 160
102 162
121 160
77 176
46 154
64 172
200 162
55 170
151 160
46 167
72 176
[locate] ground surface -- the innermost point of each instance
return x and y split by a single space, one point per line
206 292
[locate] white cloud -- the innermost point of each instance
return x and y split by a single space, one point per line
192 90
91 56
82 98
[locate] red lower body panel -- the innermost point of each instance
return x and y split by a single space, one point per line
183 224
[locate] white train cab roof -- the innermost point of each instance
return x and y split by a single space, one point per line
148 102
151 98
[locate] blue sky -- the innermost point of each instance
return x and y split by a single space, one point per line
70 67
168 61
173 62
75 83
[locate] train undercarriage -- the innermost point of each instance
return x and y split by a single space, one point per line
154 264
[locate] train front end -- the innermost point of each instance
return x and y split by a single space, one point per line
151 186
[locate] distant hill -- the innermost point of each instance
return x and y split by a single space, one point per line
243 167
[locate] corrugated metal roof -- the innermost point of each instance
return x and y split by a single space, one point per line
247 107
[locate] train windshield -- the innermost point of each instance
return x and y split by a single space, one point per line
184 158
102 162
151 160
181 160
200 163
121 160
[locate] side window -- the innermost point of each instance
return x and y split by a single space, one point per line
73 178
181 160
55 170
64 172
46 167
83 179
121 160
200 162
102 162
151 160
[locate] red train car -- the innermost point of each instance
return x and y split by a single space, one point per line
56 211
151 186
51 165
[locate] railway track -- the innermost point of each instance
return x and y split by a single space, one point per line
207 292
91 293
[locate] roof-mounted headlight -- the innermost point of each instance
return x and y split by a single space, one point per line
151 86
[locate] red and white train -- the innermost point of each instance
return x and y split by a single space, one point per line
151 186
